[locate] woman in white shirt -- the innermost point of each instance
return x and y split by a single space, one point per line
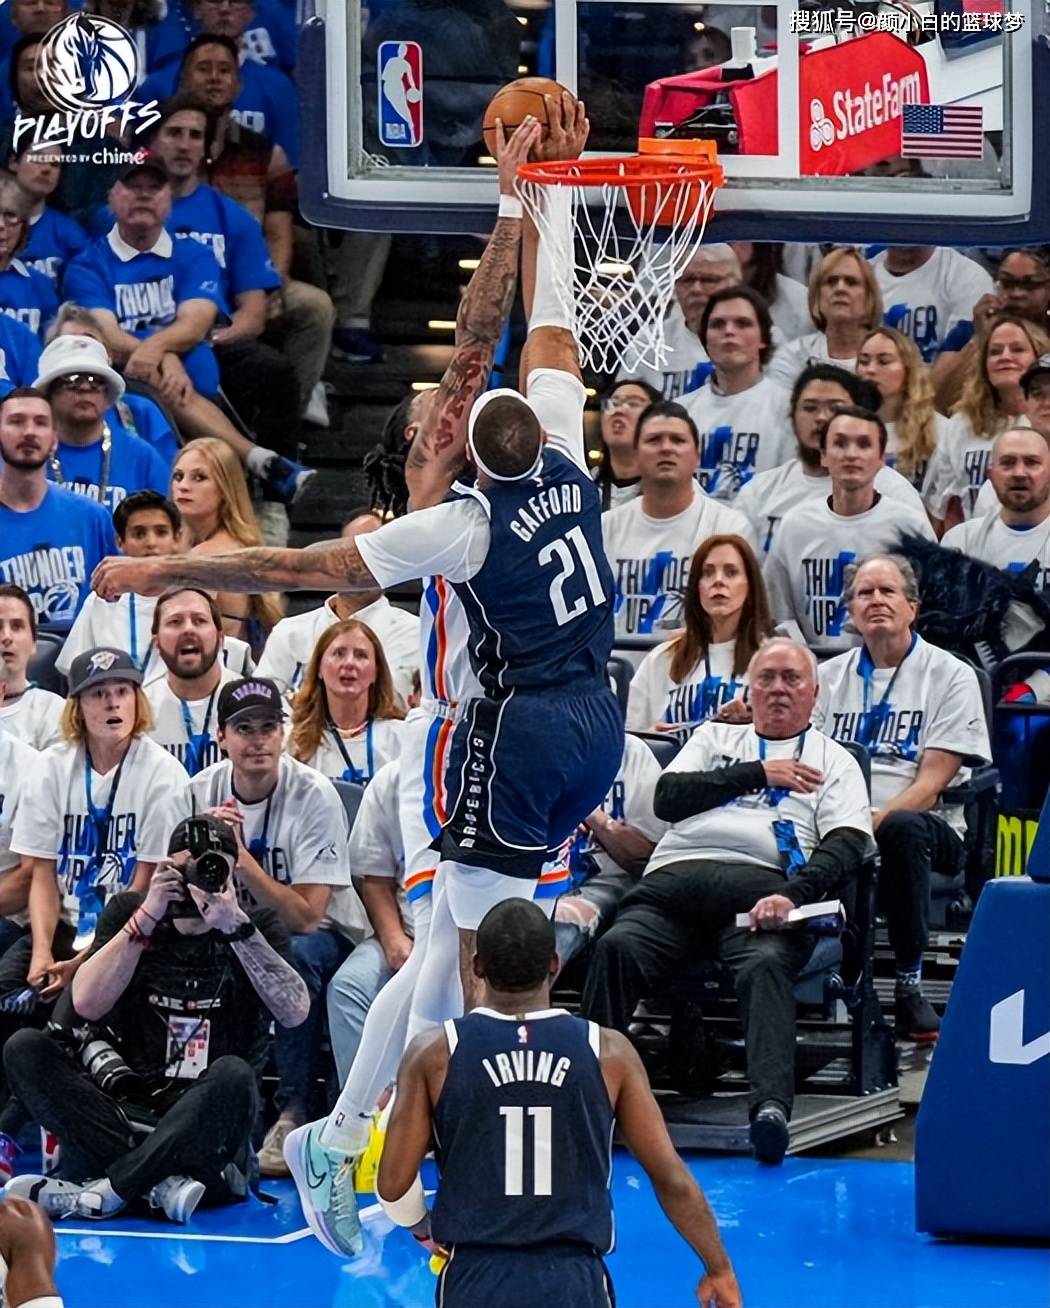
892 363
992 400
346 721
702 672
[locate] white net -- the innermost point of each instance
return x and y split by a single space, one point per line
615 253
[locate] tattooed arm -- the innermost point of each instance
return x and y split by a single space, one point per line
437 454
276 982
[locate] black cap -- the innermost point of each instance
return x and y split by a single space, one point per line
144 161
102 664
254 697
222 834
1041 368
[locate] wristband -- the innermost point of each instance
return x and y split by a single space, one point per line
510 207
410 1208
242 931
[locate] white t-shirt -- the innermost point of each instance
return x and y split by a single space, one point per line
959 468
686 364
789 308
101 623
918 477
367 750
650 559
933 702
18 764
1012 548
742 830
654 697
376 847
630 798
769 495
805 568
927 303
193 743
790 358
740 435
53 821
291 642
34 717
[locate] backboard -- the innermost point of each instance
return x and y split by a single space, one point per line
923 122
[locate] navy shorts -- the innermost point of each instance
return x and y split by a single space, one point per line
476 1276
524 771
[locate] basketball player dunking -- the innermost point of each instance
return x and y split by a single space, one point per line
520 1101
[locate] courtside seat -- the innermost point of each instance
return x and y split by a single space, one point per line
351 793
619 671
664 748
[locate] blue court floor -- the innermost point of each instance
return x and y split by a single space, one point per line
819 1233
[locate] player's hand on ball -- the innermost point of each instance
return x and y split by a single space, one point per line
719 1290
567 128
513 151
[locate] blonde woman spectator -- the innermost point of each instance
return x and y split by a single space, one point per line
346 721
892 363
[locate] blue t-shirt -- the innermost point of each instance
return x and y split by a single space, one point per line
148 423
271 38
133 466
145 291
28 297
268 102
52 550
19 355
53 240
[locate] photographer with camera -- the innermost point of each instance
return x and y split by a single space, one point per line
176 998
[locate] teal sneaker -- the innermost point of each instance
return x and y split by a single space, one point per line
325 1181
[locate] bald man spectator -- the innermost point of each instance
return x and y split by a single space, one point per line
292 641
766 817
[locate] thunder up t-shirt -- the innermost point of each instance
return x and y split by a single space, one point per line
654 698
927 303
52 550
19 355
741 831
132 466
54 239
34 717
358 755
1013 549
805 570
930 701
740 435
187 728
28 297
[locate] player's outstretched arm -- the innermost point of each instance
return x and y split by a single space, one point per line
642 1127
438 449
408 1133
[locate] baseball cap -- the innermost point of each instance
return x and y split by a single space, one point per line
144 161
1041 368
103 663
222 834
254 697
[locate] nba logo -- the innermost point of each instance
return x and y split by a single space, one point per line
400 93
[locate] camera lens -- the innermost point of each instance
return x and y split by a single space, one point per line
209 872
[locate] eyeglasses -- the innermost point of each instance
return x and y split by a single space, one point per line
72 381
613 403
10 218
1021 283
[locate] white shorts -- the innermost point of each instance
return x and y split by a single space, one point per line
472 891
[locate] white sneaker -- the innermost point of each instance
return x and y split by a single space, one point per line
271 1155
177 1197
58 1198
316 411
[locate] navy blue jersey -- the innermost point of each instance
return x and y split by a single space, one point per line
541 607
523 1128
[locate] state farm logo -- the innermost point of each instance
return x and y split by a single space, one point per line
855 112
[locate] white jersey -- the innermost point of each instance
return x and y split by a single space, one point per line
650 559
892 454
187 729
926 303
932 700
1011 548
630 798
376 847
18 766
357 755
805 569
291 643
686 364
741 831
445 673
790 358
769 495
789 308
34 717
654 697
740 435
960 467
138 803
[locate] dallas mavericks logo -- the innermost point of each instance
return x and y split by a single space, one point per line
87 62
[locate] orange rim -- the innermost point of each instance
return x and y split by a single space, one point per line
627 170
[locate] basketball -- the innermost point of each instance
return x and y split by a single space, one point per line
515 102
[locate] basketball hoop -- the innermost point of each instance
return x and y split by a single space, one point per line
638 220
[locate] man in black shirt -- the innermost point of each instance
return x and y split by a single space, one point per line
169 1033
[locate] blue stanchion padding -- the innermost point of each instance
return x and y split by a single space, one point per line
1039 855
982 1141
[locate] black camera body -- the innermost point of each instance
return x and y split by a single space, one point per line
210 865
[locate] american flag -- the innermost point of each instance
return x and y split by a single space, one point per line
933 131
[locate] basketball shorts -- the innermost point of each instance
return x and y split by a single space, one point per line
523 772
539 1277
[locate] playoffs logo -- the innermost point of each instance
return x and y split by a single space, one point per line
88 67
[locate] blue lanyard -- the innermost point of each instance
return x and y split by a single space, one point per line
197 742
792 859
778 793
350 773
873 717
88 892
133 637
